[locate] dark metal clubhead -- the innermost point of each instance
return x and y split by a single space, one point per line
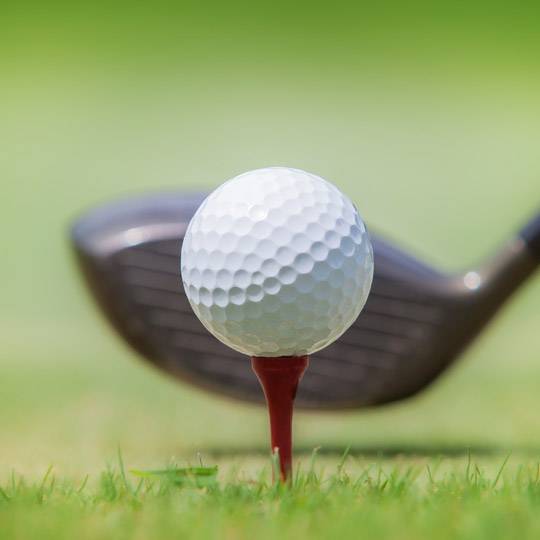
415 323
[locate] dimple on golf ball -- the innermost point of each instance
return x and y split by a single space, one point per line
277 262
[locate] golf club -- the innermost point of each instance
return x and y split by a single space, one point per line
415 323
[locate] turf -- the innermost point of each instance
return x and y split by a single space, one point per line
435 467
435 499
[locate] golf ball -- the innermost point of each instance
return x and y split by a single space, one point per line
277 262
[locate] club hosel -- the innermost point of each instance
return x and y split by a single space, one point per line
503 273
530 234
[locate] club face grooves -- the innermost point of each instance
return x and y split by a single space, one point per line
415 322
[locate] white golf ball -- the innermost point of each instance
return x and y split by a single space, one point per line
277 262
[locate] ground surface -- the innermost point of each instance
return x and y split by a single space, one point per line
397 498
431 125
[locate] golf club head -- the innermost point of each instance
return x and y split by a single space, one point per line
413 326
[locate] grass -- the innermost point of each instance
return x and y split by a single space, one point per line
416 499
433 467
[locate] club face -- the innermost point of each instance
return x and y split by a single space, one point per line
405 336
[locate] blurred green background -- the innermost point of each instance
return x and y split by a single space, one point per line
428 116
